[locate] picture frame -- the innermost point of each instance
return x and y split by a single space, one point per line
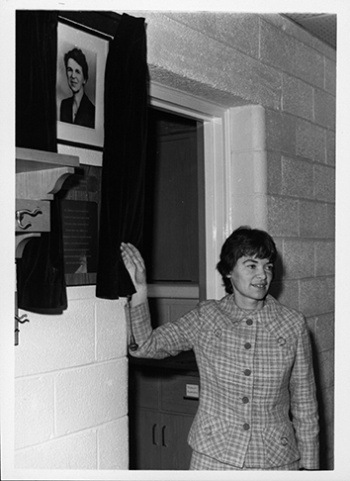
80 198
94 46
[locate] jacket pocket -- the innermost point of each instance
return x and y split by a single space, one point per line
280 445
208 435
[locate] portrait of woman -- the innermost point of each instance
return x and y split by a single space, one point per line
78 108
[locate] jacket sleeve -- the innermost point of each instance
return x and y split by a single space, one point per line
304 407
166 340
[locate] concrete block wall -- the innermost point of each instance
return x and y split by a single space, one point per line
301 199
71 378
266 60
71 387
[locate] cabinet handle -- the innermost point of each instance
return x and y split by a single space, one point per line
154 432
21 213
163 437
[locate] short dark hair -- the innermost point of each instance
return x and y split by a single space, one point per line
77 55
244 241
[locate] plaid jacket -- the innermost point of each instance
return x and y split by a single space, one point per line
258 405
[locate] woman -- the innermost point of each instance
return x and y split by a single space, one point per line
258 407
77 109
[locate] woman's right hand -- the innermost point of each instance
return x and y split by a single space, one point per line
135 265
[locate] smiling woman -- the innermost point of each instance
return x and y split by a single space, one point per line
251 278
246 266
254 360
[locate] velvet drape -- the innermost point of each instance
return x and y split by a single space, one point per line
124 155
40 272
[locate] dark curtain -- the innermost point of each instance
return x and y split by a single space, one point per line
40 272
36 53
124 155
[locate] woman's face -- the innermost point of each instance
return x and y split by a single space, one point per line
251 278
75 76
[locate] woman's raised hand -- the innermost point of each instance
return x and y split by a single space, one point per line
135 265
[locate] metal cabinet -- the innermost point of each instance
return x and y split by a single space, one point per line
162 403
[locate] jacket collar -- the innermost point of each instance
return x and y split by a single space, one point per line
268 316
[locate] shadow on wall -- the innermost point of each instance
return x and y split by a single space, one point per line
326 436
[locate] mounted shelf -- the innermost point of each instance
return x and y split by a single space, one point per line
39 176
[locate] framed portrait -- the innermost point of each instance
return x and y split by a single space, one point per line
81 62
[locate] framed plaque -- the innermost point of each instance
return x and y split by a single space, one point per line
80 205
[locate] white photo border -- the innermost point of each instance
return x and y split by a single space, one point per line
68 36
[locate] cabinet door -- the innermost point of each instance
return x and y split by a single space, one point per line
145 449
175 452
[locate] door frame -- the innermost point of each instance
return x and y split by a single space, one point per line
216 128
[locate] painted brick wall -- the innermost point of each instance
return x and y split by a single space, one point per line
71 387
266 60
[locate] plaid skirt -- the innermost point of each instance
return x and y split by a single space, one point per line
202 462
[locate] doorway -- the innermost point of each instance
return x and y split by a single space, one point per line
174 235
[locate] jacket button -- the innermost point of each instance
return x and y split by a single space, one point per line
249 322
246 427
245 400
284 441
247 372
218 333
247 345
281 341
208 431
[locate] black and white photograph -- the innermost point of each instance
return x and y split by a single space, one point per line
177 208
81 59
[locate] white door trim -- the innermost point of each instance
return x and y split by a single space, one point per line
216 171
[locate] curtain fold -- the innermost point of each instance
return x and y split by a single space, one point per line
40 272
124 155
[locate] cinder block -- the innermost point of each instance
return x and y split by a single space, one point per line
330 76
69 452
283 216
50 343
274 173
316 297
324 258
330 144
325 109
110 330
298 258
297 97
276 48
240 30
280 132
290 55
307 64
213 64
91 395
322 331
325 369
113 452
330 232
313 219
248 129
324 183
327 397
297 178
34 410
286 292
310 141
